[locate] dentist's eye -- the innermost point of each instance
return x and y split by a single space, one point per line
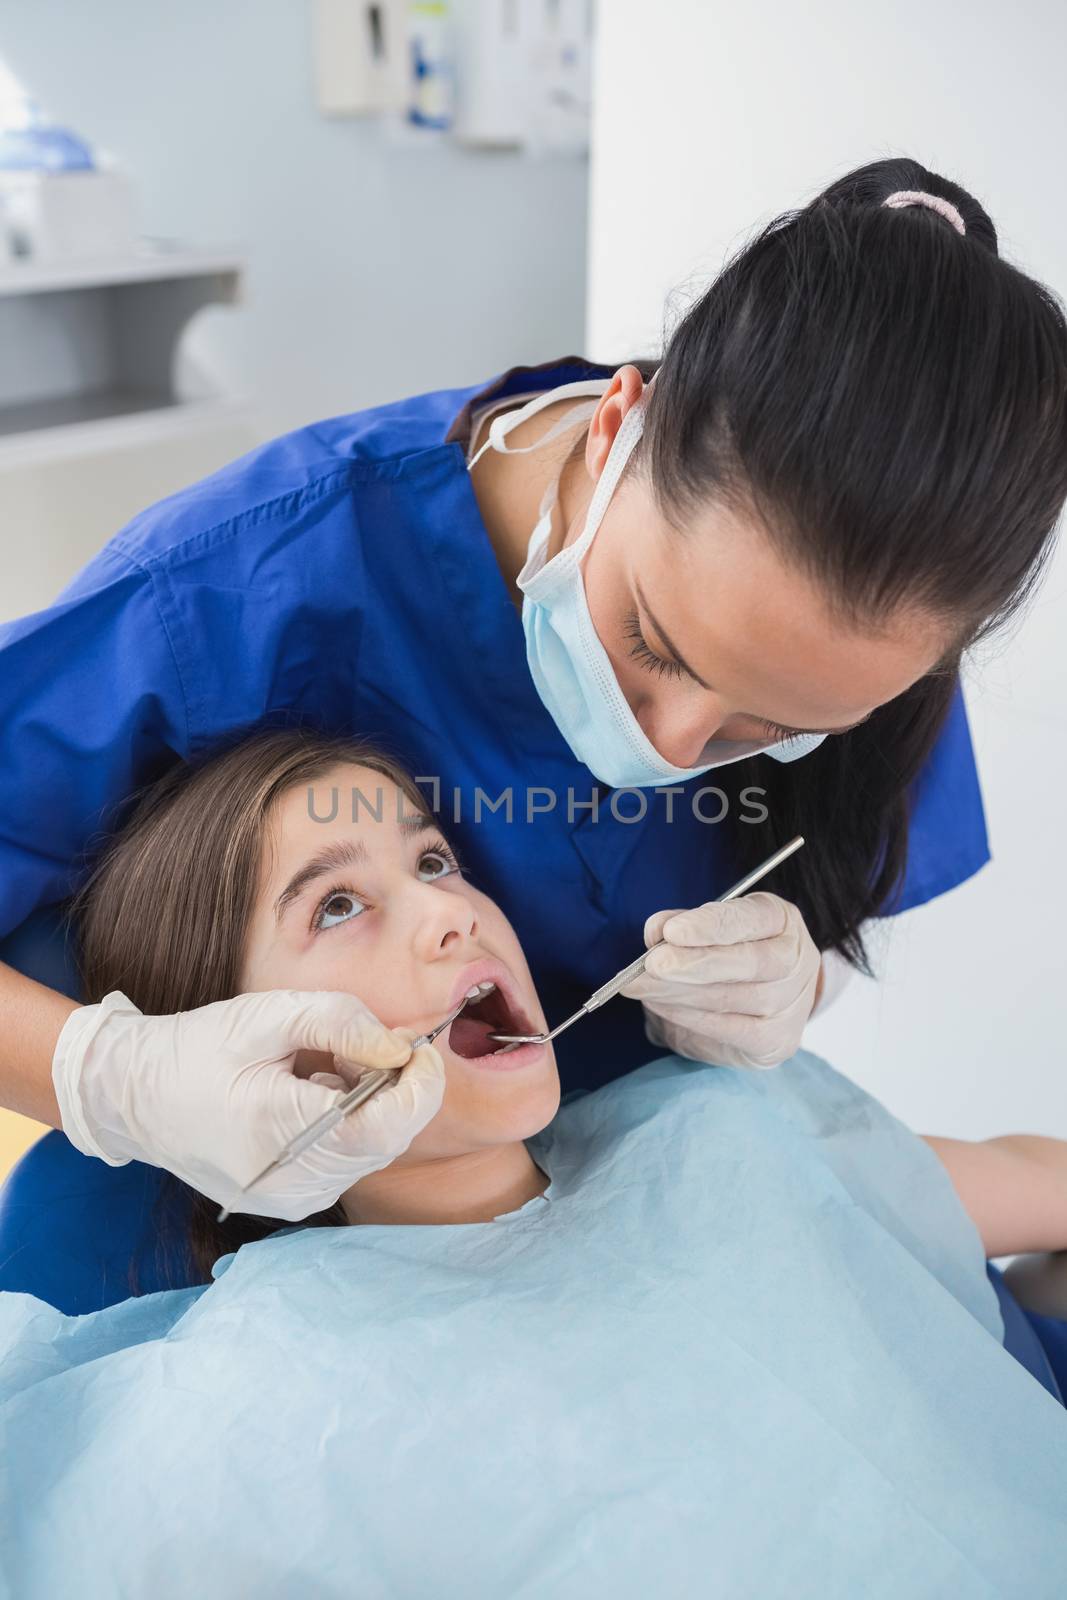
437 862
781 735
642 652
338 907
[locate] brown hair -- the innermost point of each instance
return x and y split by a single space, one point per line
164 914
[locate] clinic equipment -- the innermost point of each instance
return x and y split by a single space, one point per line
58 203
608 990
368 1085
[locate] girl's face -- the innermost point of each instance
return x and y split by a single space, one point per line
378 908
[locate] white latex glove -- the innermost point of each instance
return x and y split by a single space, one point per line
210 1094
733 985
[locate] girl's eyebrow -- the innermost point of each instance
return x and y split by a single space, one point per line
342 853
332 858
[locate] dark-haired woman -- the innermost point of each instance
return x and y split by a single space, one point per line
586 606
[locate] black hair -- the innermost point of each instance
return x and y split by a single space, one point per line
888 399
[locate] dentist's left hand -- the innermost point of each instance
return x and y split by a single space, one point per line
734 984
211 1096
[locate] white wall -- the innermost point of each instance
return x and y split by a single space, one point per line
375 269
711 118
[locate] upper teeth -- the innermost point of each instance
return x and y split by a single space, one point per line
479 990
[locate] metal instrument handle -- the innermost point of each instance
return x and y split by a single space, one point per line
607 991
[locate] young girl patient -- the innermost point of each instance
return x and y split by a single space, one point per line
702 1330
295 862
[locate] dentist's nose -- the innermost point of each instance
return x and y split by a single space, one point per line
447 919
680 733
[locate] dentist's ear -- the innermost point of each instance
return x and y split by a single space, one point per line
623 392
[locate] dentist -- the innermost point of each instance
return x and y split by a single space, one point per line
674 620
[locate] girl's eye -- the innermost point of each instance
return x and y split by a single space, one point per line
439 862
641 652
342 905
338 907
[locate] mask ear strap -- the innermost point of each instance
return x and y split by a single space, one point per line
502 424
622 448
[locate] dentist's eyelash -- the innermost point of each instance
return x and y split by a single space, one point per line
640 650
782 735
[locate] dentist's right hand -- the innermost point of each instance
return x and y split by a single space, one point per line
211 1095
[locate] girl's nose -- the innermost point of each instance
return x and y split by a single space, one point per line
446 918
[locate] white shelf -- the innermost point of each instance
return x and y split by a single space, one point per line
143 266
105 420
100 341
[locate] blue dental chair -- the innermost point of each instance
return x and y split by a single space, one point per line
74 1231
82 1235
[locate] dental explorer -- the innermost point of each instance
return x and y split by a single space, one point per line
608 990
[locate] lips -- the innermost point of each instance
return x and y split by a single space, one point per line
469 1034
500 1011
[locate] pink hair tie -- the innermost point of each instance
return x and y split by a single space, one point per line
933 202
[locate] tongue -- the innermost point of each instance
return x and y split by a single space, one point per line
469 1037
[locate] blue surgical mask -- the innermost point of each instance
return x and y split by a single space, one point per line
569 665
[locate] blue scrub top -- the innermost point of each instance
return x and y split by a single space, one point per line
342 576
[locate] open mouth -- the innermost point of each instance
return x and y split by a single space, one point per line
494 1013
